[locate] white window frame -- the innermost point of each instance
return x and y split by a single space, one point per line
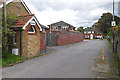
64 27
54 28
33 29
87 36
89 31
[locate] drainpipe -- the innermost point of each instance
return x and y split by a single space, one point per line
20 43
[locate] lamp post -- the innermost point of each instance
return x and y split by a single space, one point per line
113 24
113 9
50 32
4 10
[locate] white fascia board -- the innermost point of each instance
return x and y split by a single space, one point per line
25 6
28 22
6 3
38 24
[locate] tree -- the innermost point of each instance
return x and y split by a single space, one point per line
80 29
8 31
104 23
104 26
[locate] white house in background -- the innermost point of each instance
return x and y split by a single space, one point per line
90 33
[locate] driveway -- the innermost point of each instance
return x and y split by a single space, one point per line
70 61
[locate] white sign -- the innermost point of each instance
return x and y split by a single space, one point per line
15 51
33 23
113 23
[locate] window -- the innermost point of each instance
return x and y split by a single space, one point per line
14 39
86 32
64 27
92 31
54 28
31 29
89 31
87 36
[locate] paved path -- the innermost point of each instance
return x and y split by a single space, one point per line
107 68
73 61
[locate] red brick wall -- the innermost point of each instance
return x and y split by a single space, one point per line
93 35
69 37
87 34
98 34
15 8
42 41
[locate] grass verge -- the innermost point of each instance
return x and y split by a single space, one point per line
11 59
116 63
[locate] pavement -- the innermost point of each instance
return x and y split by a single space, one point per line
106 66
55 48
76 60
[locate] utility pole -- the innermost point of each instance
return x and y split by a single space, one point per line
50 33
113 10
50 25
113 26
4 22
4 11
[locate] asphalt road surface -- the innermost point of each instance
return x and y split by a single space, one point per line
74 61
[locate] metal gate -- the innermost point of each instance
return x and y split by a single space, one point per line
52 39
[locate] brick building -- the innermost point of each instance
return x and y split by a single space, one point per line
61 25
27 41
90 33
43 34
27 37
63 33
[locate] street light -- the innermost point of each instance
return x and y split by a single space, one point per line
50 32
113 23
113 9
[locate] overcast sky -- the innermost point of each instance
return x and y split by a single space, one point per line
75 12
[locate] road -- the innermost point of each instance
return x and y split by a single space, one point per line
74 61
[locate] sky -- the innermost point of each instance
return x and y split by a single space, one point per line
75 12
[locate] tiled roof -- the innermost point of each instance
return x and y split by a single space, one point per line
60 23
43 26
23 19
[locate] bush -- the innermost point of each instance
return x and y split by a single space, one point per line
10 59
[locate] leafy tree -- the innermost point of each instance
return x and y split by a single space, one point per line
80 29
9 32
104 23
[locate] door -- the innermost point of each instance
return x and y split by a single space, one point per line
91 36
